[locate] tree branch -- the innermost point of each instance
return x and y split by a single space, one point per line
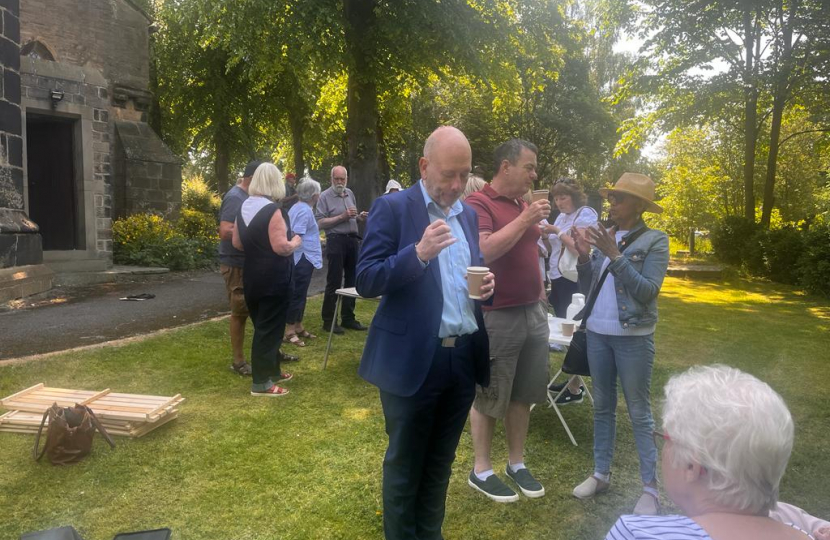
797 133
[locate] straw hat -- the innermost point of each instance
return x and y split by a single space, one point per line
638 185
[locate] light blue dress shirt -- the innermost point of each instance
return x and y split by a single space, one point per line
457 317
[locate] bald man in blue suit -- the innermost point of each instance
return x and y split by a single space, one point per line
427 346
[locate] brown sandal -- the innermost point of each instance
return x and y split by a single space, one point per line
306 334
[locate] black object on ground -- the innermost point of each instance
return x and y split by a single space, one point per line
155 534
61 533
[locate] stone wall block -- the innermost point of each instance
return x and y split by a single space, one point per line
11 26
154 169
37 93
10 119
15 150
11 86
9 54
11 187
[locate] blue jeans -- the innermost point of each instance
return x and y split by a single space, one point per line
300 280
631 358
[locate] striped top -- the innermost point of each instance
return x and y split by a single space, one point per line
671 527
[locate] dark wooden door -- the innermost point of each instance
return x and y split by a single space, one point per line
52 195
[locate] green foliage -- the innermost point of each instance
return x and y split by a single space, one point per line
788 254
691 186
196 224
197 195
815 261
782 249
730 239
150 240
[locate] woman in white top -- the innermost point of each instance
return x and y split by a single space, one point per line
570 200
727 438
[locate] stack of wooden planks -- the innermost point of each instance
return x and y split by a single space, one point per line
126 415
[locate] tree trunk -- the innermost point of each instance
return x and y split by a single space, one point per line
297 124
778 104
362 103
383 159
750 115
692 242
221 164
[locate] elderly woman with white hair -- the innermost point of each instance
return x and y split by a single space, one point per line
726 438
306 258
262 232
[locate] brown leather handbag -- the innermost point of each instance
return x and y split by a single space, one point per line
70 433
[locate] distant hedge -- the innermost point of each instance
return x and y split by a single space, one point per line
787 255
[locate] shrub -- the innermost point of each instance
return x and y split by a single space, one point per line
149 240
195 224
730 240
782 249
197 195
814 264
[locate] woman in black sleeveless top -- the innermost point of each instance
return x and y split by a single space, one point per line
262 232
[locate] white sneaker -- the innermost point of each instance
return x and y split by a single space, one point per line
590 487
648 505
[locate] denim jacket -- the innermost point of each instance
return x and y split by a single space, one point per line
638 275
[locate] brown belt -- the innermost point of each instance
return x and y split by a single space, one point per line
453 341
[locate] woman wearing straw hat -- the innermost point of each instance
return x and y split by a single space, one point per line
621 327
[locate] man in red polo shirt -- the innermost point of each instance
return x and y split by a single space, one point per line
516 322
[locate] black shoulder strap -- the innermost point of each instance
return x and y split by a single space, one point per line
595 292
35 454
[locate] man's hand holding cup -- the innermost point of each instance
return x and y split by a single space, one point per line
481 282
437 236
536 212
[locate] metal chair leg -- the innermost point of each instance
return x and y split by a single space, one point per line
331 329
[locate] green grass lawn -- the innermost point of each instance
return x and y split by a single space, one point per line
308 465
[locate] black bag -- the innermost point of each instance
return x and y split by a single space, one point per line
576 359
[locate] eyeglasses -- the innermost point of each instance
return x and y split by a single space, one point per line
569 181
616 198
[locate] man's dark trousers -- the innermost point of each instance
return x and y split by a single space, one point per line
341 252
424 430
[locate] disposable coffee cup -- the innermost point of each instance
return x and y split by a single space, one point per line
475 279
540 195
568 328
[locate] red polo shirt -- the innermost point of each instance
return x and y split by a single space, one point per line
518 279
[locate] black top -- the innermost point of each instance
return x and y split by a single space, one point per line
265 273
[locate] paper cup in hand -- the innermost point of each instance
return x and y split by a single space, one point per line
475 279
540 195
568 328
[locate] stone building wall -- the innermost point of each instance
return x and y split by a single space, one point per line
21 254
110 35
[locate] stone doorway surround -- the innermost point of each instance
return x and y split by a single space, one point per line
84 98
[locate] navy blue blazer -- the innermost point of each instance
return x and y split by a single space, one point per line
403 335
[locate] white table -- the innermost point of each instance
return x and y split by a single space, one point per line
350 292
556 337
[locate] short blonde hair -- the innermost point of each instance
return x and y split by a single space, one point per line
267 182
474 183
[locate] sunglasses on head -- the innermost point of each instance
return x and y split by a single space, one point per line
569 181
